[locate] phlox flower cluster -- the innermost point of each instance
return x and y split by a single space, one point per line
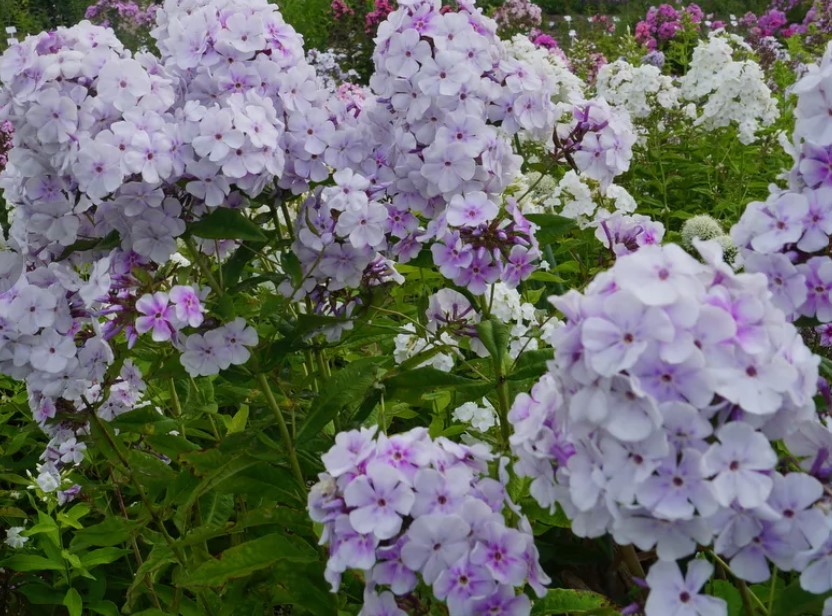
596 139
481 417
427 158
252 106
507 306
769 23
728 91
114 148
663 22
551 64
786 237
216 349
574 197
814 27
624 233
409 344
381 9
411 511
547 42
518 15
639 89
671 380
327 66
341 9
129 14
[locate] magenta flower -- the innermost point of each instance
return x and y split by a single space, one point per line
158 316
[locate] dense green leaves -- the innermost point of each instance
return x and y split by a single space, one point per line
346 388
227 224
574 603
251 556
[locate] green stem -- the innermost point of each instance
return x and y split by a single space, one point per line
177 552
177 407
284 430
196 256
503 404
773 590
749 599
630 558
748 608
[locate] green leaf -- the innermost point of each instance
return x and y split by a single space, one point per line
244 559
145 420
572 602
73 602
111 240
71 518
148 469
104 556
112 531
30 562
495 336
794 601
238 422
302 585
105 608
551 227
346 388
233 268
227 224
729 593
46 525
531 364
426 378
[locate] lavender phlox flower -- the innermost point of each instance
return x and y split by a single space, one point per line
673 593
416 509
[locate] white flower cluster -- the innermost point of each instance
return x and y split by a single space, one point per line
565 86
639 89
728 91
327 65
577 199
508 306
410 344
480 417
